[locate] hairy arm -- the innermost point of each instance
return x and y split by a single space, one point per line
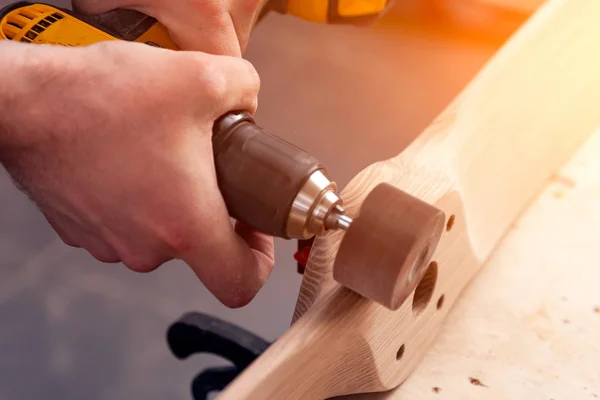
15 73
113 143
25 72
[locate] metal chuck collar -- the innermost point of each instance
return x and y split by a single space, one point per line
317 209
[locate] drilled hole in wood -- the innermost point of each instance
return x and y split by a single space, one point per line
450 223
425 288
440 302
400 353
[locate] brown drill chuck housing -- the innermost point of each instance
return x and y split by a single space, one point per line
272 185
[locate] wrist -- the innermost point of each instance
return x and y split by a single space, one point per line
24 72
7 89
13 74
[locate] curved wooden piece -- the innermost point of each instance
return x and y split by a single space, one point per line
482 162
527 326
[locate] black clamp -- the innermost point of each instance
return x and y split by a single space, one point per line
199 333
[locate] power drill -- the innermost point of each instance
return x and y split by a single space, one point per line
266 182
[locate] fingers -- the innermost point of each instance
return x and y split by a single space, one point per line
142 253
217 36
243 14
91 7
256 240
261 245
224 25
100 250
230 83
74 236
233 264
237 272
66 236
194 25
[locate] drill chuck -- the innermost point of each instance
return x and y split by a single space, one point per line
272 185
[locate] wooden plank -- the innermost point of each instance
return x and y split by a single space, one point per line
482 162
528 325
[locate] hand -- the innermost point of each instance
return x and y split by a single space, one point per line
113 143
213 26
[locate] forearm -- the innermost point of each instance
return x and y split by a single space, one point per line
83 127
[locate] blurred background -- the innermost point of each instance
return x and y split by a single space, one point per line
72 328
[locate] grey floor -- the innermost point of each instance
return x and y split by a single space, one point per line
72 328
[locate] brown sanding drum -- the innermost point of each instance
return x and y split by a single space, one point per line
386 251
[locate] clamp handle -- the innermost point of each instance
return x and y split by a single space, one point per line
197 333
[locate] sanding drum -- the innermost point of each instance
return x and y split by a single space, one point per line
387 249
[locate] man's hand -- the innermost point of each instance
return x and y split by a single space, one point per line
213 26
113 143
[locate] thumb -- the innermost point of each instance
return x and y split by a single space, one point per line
233 265
92 7
193 27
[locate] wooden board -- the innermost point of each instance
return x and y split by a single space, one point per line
483 161
528 325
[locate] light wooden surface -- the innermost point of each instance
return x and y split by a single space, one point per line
483 161
528 326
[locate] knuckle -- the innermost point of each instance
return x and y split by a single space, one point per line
254 73
69 242
109 258
140 263
213 82
268 261
202 76
104 256
177 240
66 237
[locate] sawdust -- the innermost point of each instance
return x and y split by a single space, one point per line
477 382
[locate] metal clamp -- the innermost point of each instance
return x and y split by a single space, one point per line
197 333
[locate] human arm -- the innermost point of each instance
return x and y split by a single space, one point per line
113 143
215 26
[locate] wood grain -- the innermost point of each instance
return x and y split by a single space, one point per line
483 161
527 327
